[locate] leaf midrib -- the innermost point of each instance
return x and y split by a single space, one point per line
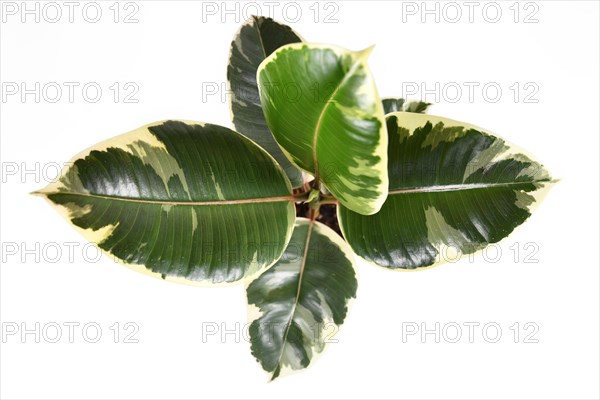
462 186
259 34
298 290
176 203
325 108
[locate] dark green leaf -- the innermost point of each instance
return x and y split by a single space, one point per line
180 200
254 42
391 105
302 299
454 188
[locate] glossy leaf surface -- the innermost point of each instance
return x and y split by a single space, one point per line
181 200
255 41
300 302
322 106
454 188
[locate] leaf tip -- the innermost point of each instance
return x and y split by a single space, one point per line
275 373
38 193
364 54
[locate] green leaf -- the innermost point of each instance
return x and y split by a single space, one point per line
299 303
322 106
257 39
185 201
391 105
454 188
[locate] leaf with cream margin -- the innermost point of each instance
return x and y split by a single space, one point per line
256 40
454 188
321 103
184 201
302 300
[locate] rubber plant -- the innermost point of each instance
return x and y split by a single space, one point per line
200 203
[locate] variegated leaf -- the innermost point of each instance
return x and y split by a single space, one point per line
180 200
454 188
256 40
299 302
391 105
322 106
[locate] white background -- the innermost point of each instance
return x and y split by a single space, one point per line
171 54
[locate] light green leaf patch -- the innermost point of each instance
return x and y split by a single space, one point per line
322 106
